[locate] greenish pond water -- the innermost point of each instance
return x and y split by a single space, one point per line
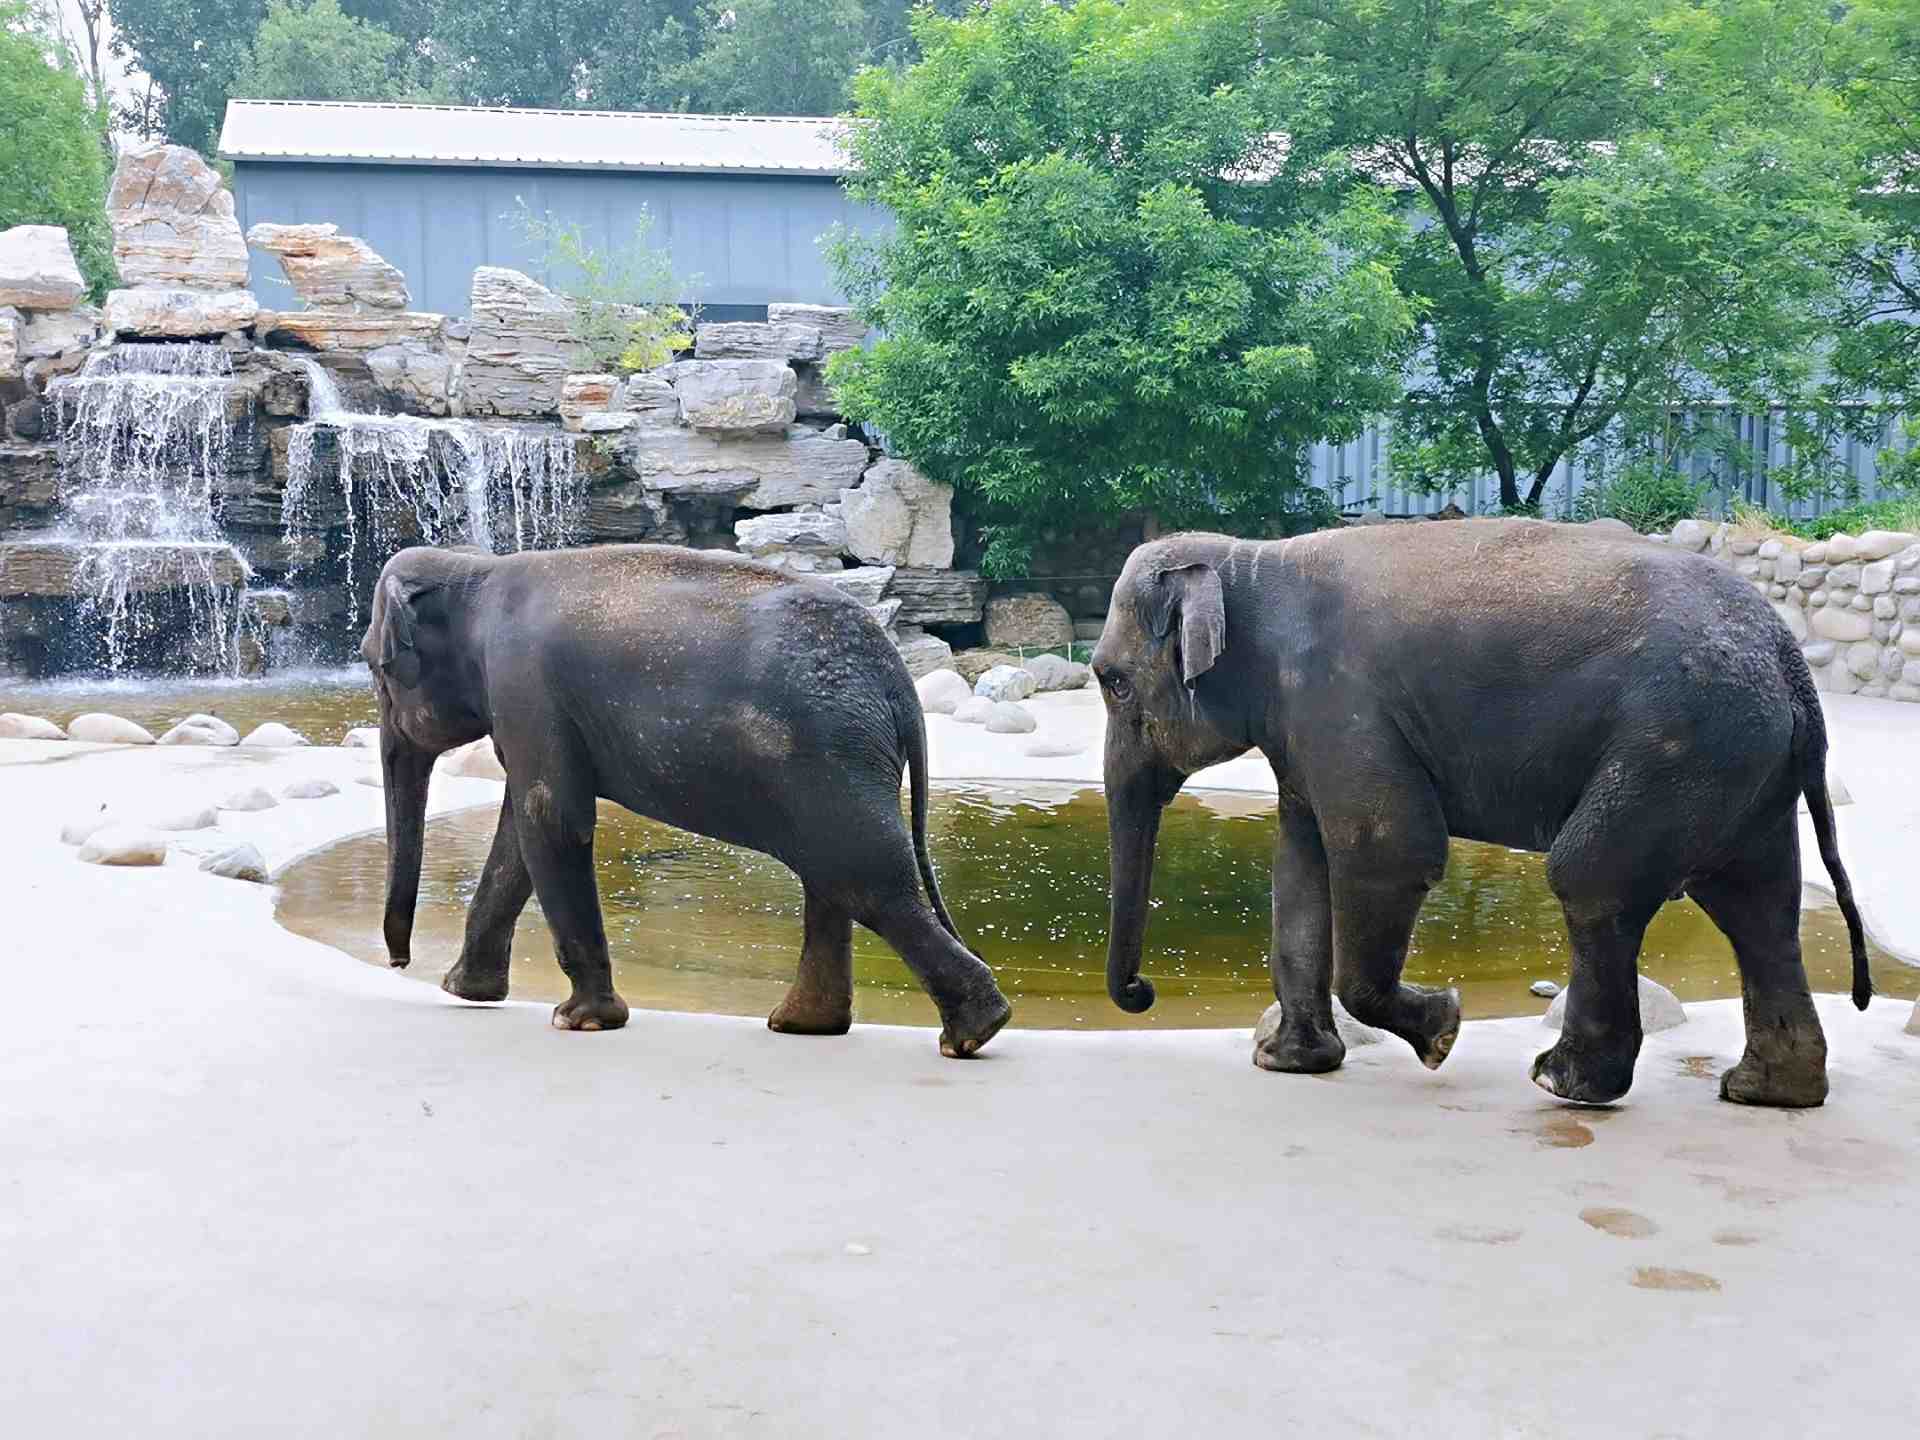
321 704
698 925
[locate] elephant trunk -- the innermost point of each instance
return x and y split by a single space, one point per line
405 771
1133 825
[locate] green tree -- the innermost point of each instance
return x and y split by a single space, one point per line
565 53
1876 362
1622 207
192 49
312 50
1110 286
52 168
776 57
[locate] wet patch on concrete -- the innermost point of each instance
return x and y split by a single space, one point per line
1477 1234
1659 1277
1735 1237
1613 1220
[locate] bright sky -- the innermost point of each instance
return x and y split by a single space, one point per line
119 79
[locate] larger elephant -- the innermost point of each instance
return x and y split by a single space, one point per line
1638 713
702 689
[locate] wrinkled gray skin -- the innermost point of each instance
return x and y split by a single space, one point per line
1637 713
702 689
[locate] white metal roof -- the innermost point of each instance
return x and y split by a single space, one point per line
381 134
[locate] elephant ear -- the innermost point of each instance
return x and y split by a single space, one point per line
400 620
1193 593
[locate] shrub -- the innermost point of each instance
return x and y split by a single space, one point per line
1645 494
626 318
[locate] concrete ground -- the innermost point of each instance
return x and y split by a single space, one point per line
248 1186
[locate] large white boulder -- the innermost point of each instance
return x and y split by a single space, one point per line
813 534
477 761
521 348
331 271
202 817
865 583
1007 718
754 472
921 652
273 736
1005 682
942 691
173 221
734 397
361 737
238 861
1660 1008
1691 535
14 726
180 314
201 730
312 788
97 728
973 711
838 327
1913 1020
1055 672
254 797
757 340
1030 621
124 845
37 269
896 516
76 830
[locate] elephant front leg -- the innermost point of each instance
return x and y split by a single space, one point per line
820 1001
481 971
555 821
1305 1042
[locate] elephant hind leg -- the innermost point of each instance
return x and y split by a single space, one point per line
820 1001
1756 903
972 1009
1611 870
481 971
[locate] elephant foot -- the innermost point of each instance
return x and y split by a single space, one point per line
1300 1050
811 1015
590 1012
967 1028
1582 1076
1791 1084
1438 1042
471 984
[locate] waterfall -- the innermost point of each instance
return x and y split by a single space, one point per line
411 481
144 432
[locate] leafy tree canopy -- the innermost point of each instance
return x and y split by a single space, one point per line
1112 285
52 166
313 50
1622 207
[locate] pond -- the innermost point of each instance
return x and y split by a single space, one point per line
698 925
321 704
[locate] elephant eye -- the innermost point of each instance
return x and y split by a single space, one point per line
1118 687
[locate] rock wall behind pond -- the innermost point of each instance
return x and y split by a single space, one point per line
1853 602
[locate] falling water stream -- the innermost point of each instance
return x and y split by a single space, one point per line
407 480
144 434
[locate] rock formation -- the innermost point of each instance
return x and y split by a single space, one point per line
331 271
37 269
173 222
899 517
520 350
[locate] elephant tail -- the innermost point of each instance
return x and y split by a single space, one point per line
913 737
1810 747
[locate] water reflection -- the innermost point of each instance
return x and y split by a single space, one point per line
697 925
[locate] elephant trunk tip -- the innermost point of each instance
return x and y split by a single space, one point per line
1134 996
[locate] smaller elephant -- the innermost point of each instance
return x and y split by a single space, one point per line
1636 712
699 688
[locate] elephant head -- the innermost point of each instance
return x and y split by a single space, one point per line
1171 697
426 675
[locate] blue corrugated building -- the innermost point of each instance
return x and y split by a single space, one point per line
740 202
